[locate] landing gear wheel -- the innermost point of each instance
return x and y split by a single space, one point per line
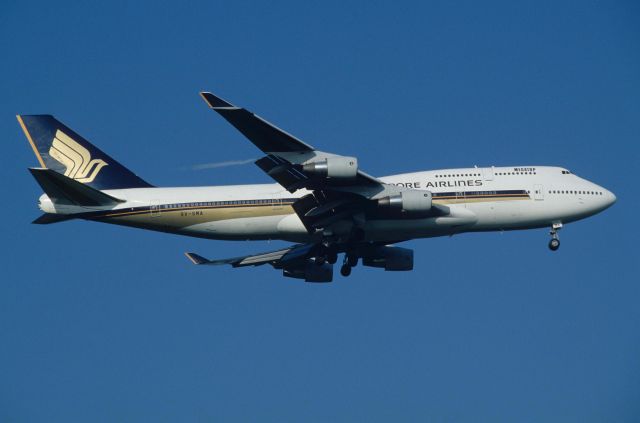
554 244
332 257
351 260
345 270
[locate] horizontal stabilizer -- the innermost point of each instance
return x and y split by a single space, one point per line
48 218
62 189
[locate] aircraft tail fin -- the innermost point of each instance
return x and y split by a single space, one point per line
63 190
59 148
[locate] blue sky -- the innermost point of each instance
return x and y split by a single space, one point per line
101 323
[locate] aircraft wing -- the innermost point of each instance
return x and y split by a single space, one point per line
290 161
279 259
310 262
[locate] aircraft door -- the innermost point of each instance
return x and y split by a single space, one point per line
487 173
155 208
276 203
461 196
538 192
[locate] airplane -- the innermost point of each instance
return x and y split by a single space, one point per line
324 203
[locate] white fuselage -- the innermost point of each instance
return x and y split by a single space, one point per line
479 199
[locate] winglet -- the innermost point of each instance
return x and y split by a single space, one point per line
196 259
216 102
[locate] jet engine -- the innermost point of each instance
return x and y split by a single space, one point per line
390 259
412 201
310 272
333 167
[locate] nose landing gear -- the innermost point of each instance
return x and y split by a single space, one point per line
554 243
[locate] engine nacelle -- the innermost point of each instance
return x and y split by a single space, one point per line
412 201
311 272
390 258
333 167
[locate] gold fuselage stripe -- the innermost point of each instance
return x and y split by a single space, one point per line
461 197
222 206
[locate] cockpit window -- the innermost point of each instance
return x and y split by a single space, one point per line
566 172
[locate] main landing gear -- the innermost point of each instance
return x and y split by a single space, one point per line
554 243
326 254
350 261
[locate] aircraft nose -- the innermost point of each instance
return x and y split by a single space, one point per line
607 199
610 197
602 200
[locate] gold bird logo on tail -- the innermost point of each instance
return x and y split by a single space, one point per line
75 158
